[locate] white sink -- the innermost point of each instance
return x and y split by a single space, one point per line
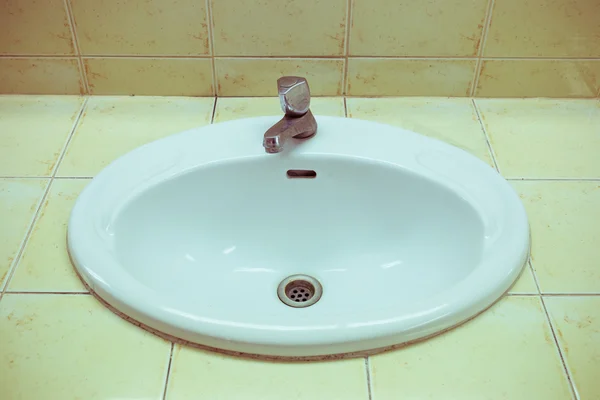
192 234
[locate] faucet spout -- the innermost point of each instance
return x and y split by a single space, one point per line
302 127
298 121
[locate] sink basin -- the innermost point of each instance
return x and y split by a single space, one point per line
193 234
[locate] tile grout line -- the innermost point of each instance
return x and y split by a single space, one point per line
35 218
563 360
306 56
69 138
168 372
485 134
211 41
214 111
46 177
555 179
517 294
346 47
79 293
82 74
23 244
556 342
345 108
484 35
368 374
535 278
570 294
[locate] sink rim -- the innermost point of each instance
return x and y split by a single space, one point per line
114 285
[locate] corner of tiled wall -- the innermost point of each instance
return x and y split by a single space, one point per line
482 48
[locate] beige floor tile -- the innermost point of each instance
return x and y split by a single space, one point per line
229 108
72 347
506 353
112 126
451 120
524 285
34 131
577 323
19 199
544 138
45 264
197 374
565 233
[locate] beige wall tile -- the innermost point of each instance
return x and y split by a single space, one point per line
455 120
544 138
113 126
564 229
401 77
149 76
229 108
45 265
19 199
278 28
72 347
258 77
505 353
538 78
168 27
34 130
35 27
40 76
416 28
548 28
199 374
577 320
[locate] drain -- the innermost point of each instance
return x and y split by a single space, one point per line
299 291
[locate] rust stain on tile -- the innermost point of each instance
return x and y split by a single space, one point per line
481 74
547 337
81 91
468 93
26 320
91 74
10 259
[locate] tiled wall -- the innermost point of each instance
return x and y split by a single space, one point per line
483 48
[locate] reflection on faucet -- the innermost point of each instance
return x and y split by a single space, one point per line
298 121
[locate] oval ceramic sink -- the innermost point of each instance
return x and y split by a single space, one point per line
192 234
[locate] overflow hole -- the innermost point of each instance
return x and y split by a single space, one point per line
301 174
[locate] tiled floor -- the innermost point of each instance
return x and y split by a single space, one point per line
542 341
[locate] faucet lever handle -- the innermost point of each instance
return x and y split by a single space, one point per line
294 95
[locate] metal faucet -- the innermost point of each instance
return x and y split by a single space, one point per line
298 122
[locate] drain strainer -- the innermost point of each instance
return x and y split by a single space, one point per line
299 291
